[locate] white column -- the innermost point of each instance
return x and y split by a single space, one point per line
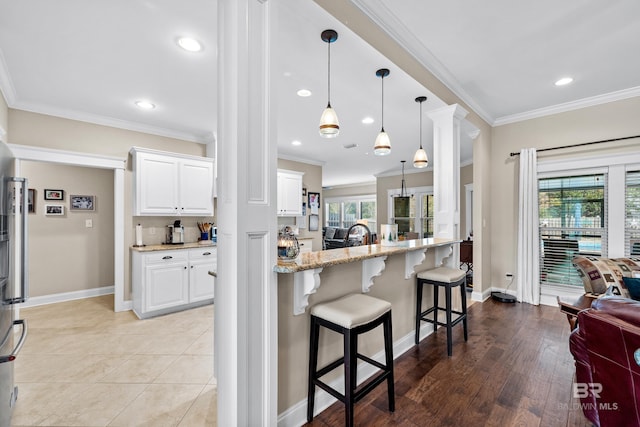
246 300
616 215
446 174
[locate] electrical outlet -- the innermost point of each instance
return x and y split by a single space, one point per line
508 275
88 223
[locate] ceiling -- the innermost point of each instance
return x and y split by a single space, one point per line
91 60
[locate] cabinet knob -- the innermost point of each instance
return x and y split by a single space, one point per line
185 267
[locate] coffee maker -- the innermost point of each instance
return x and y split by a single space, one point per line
175 233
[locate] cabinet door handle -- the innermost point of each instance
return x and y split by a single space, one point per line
192 266
167 257
185 267
207 253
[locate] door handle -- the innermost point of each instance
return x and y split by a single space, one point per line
12 356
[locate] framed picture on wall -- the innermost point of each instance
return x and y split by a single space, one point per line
82 203
52 210
31 200
314 203
313 222
53 194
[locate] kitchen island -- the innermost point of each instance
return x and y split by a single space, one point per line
385 272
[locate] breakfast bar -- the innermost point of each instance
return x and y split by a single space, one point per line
384 272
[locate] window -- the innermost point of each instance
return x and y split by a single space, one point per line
343 212
573 213
413 214
632 214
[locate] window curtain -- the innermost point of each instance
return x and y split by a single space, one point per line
528 251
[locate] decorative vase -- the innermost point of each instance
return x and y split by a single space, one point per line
288 246
389 233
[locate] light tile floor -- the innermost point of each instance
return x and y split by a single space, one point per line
84 365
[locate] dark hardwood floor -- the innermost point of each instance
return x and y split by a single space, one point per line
515 370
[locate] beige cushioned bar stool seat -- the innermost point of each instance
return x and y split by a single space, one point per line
448 278
350 316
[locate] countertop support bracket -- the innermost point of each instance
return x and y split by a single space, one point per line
444 256
305 283
371 267
411 259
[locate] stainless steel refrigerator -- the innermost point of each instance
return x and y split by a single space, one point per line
13 277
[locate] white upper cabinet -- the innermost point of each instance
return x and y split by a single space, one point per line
289 193
170 184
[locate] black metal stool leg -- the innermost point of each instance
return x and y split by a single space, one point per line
350 366
436 294
418 309
463 294
313 364
388 352
447 291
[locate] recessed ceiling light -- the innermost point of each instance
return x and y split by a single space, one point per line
145 105
304 93
189 44
368 120
564 81
296 142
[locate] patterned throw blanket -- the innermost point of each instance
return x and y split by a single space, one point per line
605 275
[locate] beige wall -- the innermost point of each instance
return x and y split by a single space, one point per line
63 134
612 120
312 181
350 190
65 255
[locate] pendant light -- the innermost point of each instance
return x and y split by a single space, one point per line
329 126
420 159
382 146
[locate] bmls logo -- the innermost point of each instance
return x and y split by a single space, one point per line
583 390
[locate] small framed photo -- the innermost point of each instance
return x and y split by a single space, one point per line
53 194
54 210
313 222
31 200
82 203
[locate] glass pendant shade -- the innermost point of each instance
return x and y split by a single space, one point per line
382 145
420 159
329 126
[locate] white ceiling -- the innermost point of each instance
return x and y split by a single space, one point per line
91 60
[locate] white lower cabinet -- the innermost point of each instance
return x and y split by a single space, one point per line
172 280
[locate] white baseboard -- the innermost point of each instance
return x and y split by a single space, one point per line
296 415
69 296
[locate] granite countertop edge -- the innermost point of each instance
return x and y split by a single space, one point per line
161 247
319 259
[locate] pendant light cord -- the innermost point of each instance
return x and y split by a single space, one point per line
421 125
402 185
329 74
382 108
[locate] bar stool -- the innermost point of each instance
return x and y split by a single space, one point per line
448 278
350 316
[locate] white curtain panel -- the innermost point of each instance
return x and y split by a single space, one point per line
528 253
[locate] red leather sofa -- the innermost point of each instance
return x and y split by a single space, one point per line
606 349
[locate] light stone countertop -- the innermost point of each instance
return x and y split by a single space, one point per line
319 259
152 248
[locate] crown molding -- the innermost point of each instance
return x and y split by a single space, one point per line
384 18
301 160
6 85
109 121
569 106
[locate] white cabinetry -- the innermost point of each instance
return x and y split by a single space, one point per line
172 280
289 193
169 184
201 262
306 244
